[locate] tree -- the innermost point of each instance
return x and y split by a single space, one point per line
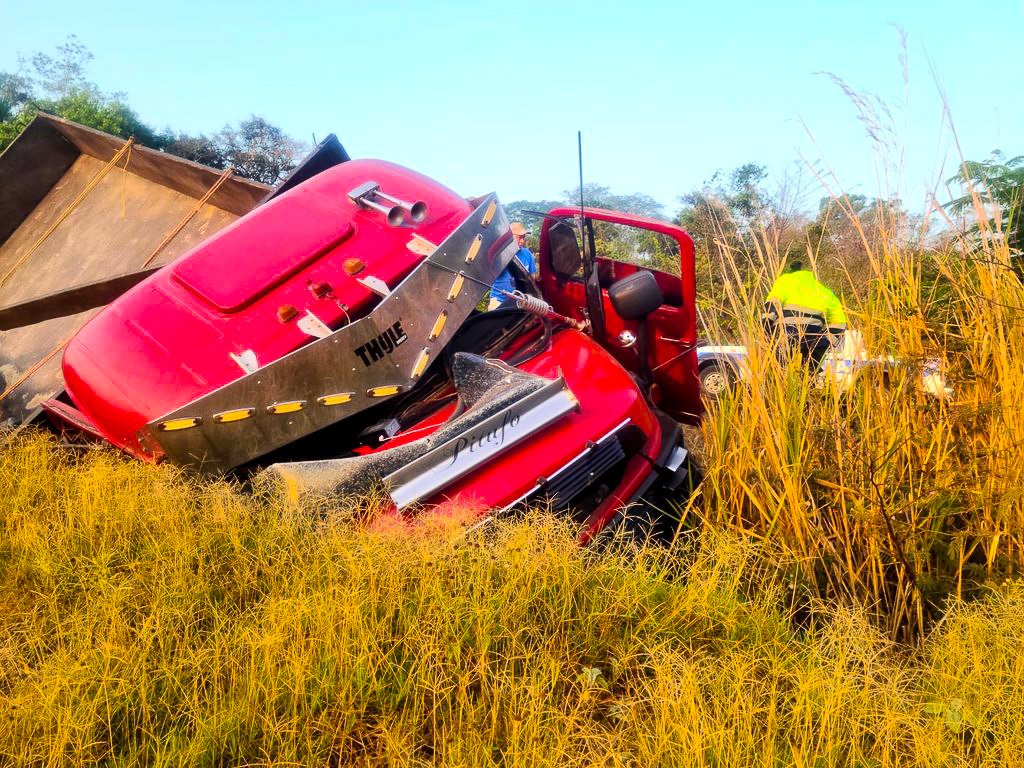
598 196
104 113
849 230
996 184
726 208
594 196
707 216
723 217
857 223
199 149
729 204
745 196
259 151
15 91
65 74
58 85
530 210
256 149
13 125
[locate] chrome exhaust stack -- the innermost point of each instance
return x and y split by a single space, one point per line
364 195
417 210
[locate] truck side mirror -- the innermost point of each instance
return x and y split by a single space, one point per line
636 296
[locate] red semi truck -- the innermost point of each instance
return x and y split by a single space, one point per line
333 338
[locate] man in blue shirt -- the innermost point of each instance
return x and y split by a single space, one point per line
504 281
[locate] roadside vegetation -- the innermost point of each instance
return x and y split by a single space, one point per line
148 619
884 495
846 591
851 596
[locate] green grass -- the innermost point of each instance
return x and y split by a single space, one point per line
148 619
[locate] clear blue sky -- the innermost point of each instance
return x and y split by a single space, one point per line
489 96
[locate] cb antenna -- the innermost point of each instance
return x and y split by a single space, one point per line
579 154
591 282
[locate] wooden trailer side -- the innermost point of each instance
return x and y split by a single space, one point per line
78 206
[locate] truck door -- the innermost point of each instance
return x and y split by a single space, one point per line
624 244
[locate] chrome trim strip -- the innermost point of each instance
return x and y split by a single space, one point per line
479 444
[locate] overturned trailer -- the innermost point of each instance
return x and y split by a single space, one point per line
331 337
82 214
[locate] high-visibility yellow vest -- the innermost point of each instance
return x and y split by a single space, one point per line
802 290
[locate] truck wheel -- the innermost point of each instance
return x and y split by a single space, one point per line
715 380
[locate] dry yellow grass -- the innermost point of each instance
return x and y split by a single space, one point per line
883 496
147 619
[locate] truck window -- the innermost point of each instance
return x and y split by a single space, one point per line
613 242
637 246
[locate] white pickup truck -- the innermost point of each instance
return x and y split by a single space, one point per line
723 366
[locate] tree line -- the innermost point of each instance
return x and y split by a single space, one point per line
735 217
58 84
740 223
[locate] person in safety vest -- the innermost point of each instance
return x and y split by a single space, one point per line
808 313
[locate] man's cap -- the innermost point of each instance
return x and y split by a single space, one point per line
518 228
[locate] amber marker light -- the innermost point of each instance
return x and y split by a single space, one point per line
390 389
336 399
289 407
320 290
489 214
456 288
175 425
474 249
226 417
421 363
353 266
438 325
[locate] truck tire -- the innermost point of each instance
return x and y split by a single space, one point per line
716 378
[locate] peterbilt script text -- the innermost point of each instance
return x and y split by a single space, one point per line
490 439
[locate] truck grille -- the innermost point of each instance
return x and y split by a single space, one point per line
575 478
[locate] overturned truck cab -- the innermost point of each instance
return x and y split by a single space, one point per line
333 340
